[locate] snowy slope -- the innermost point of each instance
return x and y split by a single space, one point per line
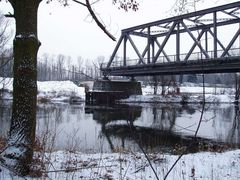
60 90
49 90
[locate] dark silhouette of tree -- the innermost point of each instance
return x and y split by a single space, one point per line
19 151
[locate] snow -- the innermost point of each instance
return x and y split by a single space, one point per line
135 166
192 88
59 90
209 98
48 90
122 165
191 94
6 83
29 35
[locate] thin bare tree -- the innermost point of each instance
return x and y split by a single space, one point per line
5 49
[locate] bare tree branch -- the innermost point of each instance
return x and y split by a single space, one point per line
98 22
89 7
95 2
79 2
9 15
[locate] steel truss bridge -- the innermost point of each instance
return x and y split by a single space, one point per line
205 41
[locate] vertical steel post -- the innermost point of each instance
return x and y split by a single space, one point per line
215 34
149 41
206 41
153 48
125 51
178 44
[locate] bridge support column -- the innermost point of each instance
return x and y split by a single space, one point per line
133 78
128 87
106 91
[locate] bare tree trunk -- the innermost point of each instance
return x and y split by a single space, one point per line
19 151
155 84
237 88
163 85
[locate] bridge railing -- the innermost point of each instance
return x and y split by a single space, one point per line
195 56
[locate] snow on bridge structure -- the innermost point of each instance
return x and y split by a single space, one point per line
205 41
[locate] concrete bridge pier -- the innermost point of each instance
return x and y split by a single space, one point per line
108 91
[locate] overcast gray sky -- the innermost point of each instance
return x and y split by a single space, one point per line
71 31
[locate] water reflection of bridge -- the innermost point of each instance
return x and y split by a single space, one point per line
119 123
201 42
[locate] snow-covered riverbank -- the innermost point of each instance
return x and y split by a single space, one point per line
67 91
134 166
189 93
54 91
186 98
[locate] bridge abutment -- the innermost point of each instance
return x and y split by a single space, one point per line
107 91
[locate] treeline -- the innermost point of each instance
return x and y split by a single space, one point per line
228 79
6 52
59 68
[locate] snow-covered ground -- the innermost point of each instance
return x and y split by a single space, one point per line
209 98
189 93
49 90
134 166
68 91
60 91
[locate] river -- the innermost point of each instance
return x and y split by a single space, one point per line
131 127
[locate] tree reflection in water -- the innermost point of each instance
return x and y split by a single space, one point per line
234 132
118 122
5 117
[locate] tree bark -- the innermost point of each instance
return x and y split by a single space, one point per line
19 151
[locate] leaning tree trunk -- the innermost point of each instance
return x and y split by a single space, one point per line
19 152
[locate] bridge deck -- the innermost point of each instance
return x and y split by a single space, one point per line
205 66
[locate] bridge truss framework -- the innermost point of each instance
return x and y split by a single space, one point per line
203 55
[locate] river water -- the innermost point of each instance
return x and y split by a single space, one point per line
154 127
